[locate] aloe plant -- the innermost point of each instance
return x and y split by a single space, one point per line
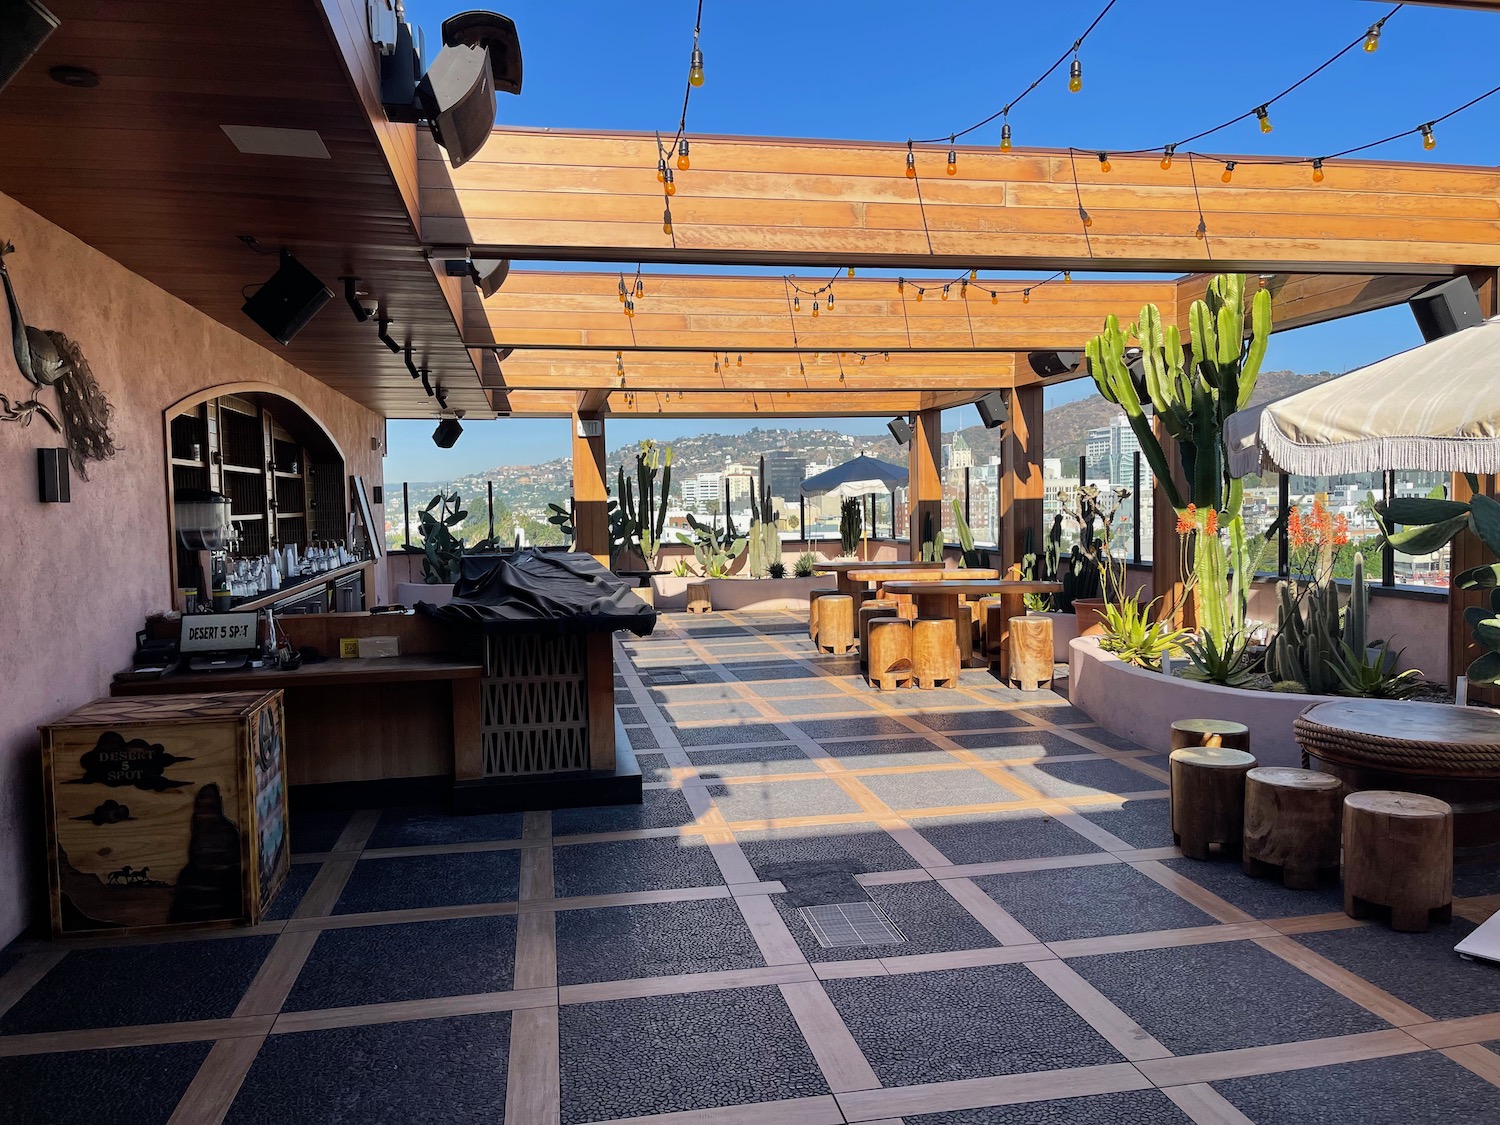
1217 660
806 563
1359 673
1131 635
971 557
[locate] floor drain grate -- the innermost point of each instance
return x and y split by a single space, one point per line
850 923
668 677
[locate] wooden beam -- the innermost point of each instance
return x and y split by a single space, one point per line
590 496
594 197
925 478
1022 489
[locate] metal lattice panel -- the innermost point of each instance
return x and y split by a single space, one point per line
534 706
851 923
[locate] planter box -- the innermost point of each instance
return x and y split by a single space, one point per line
1142 706
736 593
1064 629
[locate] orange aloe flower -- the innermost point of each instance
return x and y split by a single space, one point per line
1187 521
1211 525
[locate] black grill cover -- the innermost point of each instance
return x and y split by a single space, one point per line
544 592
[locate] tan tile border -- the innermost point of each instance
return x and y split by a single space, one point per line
1448 1033
1040 863
278 972
26 972
356 833
208 1097
536 951
822 1110
987 912
1161 939
978 1093
777 945
323 894
450 849
1305 1054
536 875
189 1031
963 959
1314 923
398 917
1199 896
1477 1060
1205 1105
838 1056
1341 980
1098 1011
684 984
401 1011
533 1087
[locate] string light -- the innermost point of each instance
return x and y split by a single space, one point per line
1067 277
963 289
1075 75
851 271
920 291
1086 218
622 290
1318 170
629 307
683 163
1005 137
994 297
952 162
911 164
901 285
796 304
830 298
1372 38
666 221
1263 115
661 170
1104 164
739 361
815 310
695 68
1025 296
640 286
1228 171
671 187
1429 142
973 275
1166 157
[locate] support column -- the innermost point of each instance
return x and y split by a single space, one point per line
1022 488
1168 582
590 499
925 479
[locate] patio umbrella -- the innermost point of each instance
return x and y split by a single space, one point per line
859 477
1436 408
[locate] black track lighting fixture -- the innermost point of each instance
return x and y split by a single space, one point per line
411 367
384 335
351 298
442 397
426 382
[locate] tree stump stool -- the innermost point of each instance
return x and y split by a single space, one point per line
1398 853
1210 732
812 609
1208 798
867 612
1292 823
1031 652
987 634
889 651
698 599
934 655
836 623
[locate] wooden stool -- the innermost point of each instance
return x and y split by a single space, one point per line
836 623
987 638
1398 853
1210 732
1292 822
1031 652
934 655
889 651
867 612
698 600
1208 798
812 609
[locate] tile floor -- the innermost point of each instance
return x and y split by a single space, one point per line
1060 961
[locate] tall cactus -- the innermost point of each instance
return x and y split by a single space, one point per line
850 524
765 542
1310 635
644 516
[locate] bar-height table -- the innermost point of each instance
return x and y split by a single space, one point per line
943 598
847 585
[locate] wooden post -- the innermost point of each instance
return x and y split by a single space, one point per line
590 498
925 479
1021 484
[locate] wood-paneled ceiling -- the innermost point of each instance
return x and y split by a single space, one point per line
140 169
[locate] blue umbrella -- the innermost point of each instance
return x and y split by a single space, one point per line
858 477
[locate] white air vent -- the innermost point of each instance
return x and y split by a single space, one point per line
258 140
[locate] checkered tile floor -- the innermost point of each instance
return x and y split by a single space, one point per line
1060 963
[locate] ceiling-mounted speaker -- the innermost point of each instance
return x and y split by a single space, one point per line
24 27
1049 365
447 433
992 410
496 34
285 303
900 430
1445 308
489 274
482 53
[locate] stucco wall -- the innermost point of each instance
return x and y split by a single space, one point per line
77 579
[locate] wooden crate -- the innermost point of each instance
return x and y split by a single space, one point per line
165 811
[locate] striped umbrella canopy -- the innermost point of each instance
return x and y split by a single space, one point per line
1436 407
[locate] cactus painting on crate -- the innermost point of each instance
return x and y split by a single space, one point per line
1193 390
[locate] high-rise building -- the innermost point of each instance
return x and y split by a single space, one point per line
1096 453
785 472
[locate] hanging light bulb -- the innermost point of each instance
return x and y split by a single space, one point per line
973 275
901 285
661 170
1005 137
671 187
861 359
920 291
716 363
994 297
1429 142
666 221
796 304
695 68
1318 170
1085 217
683 163
830 298
815 310
1067 277
1263 115
851 271
911 165
1104 164
622 290
640 287
1372 39
887 356
952 162
1025 296
1202 232
629 307
1166 157
945 293
1075 76
739 361
1228 171
963 290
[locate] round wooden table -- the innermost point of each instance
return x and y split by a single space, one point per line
1443 751
944 598
842 568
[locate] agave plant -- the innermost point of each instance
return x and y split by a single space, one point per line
1360 674
1131 635
1217 660
806 563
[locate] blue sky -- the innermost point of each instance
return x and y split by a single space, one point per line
1154 71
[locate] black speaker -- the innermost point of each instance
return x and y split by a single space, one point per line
489 274
52 476
446 433
24 27
1048 365
457 96
992 410
1445 308
285 303
900 430
495 32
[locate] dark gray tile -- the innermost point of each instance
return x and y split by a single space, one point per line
122 1086
1004 694
751 761
737 735
1085 779
694 693
722 711
789 689
754 673
407 961
631 716
1263 898
1086 902
642 738
653 940
992 836
654 767
857 847
625 866
1423 1089
423 1072
1062 714
315 831
1018 744
1110 738
982 719
774 800
1135 1107
859 726
298 879
659 808
928 917
937 788
1473 880
1421 969
409 882
872 753
917 1028
675 1054
1199 998
416 827
1141 823
821 706
135 984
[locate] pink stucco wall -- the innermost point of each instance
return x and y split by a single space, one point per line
77 579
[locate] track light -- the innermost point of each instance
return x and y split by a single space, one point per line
351 298
442 397
384 335
426 382
411 367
